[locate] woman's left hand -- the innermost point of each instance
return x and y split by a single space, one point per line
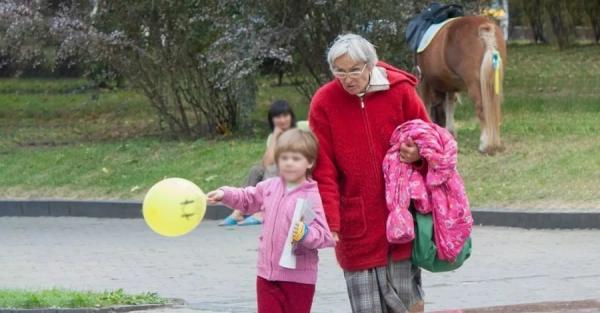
409 152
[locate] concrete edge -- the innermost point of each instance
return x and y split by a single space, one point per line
133 209
558 306
545 220
83 208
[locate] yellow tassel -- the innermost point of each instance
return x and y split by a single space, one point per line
496 63
497 80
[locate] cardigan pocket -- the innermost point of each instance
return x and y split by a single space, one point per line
353 221
306 259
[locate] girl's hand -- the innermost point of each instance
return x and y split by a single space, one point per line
300 230
335 236
215 196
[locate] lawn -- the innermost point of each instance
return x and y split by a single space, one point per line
60 298
62 139
551 130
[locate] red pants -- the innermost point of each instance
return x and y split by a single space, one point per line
283 296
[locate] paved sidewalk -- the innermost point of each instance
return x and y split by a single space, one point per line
213 268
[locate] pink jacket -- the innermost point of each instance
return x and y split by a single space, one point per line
271 197
441 191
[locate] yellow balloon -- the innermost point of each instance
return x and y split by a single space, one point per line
174 207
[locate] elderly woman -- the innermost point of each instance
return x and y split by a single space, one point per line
353 117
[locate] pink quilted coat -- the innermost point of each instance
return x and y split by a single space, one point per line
441 192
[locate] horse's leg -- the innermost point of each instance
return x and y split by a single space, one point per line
437 108
432 104
425 93
449 101
438 114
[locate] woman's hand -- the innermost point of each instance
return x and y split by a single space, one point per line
276 132
269 156
409 152
215 196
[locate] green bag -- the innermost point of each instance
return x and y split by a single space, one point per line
424 252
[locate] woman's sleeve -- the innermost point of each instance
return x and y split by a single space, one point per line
413 105
269 139
325 172
249 200
268 156
415 110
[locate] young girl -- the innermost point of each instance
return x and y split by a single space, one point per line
280 117
281 289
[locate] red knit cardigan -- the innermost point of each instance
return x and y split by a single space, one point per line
354 136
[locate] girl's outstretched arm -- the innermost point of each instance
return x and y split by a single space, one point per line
249 200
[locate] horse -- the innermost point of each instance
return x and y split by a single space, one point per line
468 53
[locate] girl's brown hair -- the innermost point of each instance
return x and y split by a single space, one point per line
297 140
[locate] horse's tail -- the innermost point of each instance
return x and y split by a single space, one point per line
491 77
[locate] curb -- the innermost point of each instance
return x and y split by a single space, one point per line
545 220
592 305
81 208
133 209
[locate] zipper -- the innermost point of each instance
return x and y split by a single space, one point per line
272 235
369 137
285 194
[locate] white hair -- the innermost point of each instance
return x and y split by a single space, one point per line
357 48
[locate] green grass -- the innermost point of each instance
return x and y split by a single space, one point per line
268 92
60 139
58 112
124 169
59 298
43 86
71 105
550 129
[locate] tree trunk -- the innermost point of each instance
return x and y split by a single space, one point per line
592 9
561 26
504 22
534 12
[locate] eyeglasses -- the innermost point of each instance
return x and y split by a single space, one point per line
354 74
